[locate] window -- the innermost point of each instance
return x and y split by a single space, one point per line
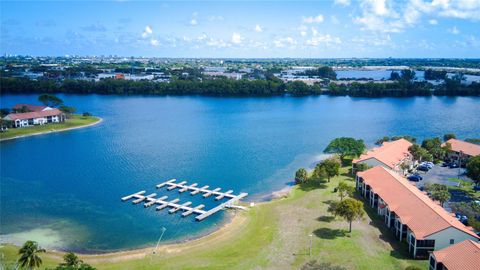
452 241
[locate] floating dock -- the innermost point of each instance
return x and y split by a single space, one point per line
174 204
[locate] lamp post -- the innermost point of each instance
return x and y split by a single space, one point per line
311 237
160 238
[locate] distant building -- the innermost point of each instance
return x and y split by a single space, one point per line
461 256
390 155
461 151
36 115
412 216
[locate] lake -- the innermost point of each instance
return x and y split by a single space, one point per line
64 189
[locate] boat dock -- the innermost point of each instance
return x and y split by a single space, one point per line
175 206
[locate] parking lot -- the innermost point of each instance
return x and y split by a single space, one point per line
440 175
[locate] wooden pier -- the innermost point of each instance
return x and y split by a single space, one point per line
174 204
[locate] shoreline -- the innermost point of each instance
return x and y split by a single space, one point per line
54 131
230 223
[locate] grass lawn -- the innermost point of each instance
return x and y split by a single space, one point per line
272 235
75 120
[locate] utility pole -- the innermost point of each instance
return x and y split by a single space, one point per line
158 242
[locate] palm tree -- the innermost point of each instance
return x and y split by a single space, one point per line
29 258
71 260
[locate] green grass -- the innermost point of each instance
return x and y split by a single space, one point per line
74 121
273 235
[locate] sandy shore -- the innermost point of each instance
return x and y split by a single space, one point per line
221 233
53 131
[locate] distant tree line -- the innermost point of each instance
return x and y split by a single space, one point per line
269 86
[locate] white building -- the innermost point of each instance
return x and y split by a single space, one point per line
35 115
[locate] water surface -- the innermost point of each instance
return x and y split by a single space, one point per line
63 189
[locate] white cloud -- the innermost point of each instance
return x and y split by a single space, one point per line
193 22
327 39
236 38
258 28
342 2
284 42
154 42
147 32
454 30
311 19
396 16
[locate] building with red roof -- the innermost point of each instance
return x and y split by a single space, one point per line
390 155
460 151
410 213
461 256
36 115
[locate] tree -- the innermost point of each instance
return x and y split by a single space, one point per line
344 190
419 153
318 173
473 169
29 258
473 140
407 74
68 110
439 193
449 136
50 100
71 260
382 140
331 167
434 147
301 176
4 112
394 76
345 146
360 167
350 209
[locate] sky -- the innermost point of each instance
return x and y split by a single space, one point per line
243 29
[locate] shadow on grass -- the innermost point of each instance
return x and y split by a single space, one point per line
327 233
326 218
311 185
400 249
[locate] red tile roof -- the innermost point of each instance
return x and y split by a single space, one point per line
415 209
32 108
390 153
470 149
30 115
462 256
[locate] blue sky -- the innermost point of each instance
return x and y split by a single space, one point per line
321 29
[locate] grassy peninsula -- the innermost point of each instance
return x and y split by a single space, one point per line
270 235
74 121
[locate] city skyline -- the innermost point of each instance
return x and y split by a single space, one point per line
243 29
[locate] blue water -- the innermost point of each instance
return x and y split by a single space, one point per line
385 75
63 189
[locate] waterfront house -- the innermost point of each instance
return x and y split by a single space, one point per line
460 151
390 155
34 115
412 216
461 256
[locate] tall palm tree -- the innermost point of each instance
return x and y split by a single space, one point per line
29 258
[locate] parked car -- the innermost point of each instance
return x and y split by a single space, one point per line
445 164
414 178
476 187
427 164
418 175
422 168
453 165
